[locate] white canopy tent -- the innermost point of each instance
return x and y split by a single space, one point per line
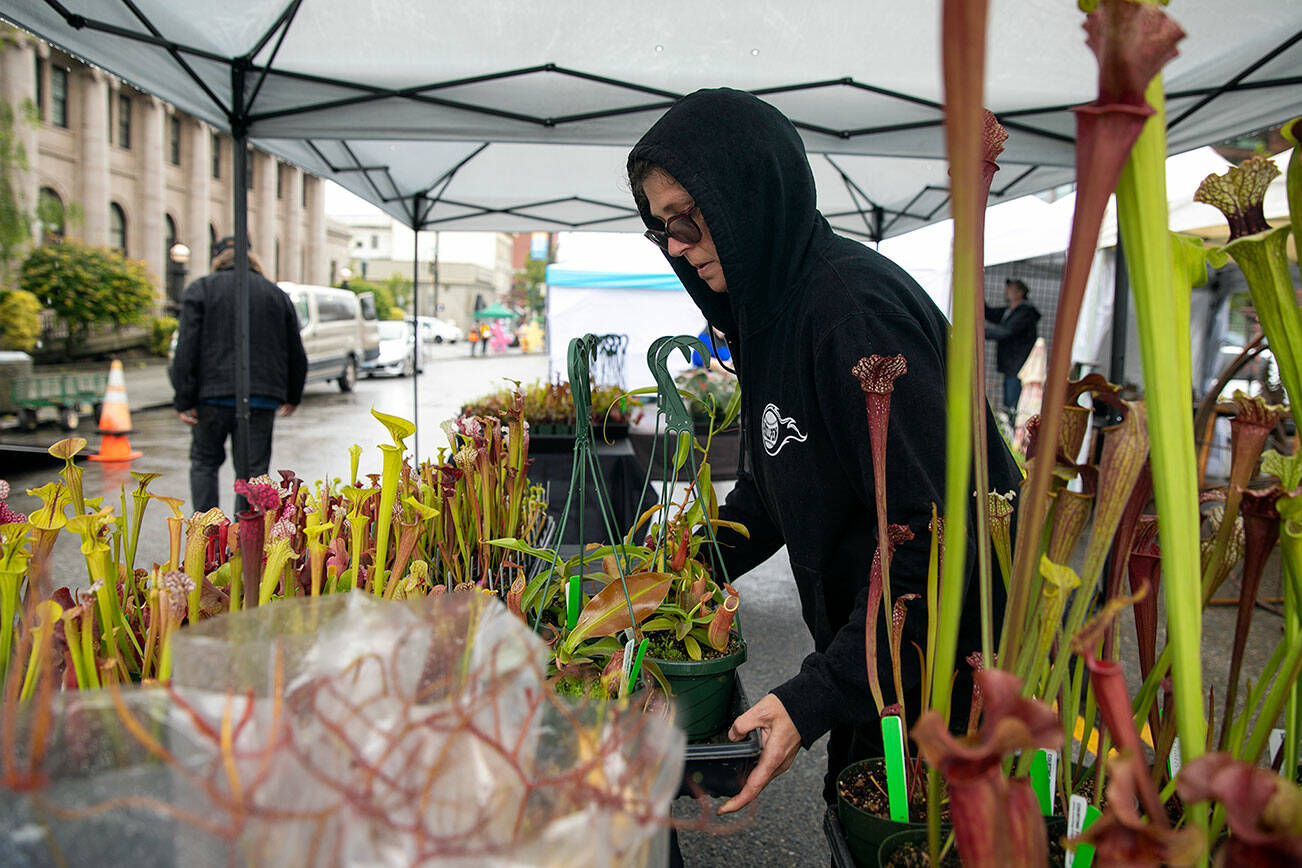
516 115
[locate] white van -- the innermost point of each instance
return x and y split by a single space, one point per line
340 331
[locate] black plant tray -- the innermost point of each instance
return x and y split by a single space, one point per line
841 855
719 767
551 443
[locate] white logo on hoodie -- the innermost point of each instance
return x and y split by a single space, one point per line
777 430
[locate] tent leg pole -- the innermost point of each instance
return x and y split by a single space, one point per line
1120 318
240 193
415 324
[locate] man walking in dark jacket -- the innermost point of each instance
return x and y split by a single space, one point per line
1012 328
203 372
724 188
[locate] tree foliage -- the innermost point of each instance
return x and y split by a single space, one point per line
15 220
20 321
88 286
386 306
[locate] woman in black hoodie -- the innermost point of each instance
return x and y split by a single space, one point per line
723 185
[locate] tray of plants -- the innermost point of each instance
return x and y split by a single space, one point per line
717 766
841 857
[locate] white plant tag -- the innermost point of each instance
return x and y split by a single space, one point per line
1276 743
1176 761
1075 821
630 650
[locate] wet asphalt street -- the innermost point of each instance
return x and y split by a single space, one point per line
785 829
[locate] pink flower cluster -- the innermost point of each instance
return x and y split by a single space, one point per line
262 496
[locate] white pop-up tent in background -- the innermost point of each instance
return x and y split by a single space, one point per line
616 284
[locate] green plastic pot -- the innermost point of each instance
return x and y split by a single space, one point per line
702 691
864 832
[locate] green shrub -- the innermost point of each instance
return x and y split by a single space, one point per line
160 335
87 286
20 321
384 306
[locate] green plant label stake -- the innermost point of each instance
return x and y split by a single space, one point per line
1044 771
1080 816
572 600
897 788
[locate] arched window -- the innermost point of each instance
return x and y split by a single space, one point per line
169 235
117 228
276 269
49 211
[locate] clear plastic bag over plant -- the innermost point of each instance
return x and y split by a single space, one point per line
340 730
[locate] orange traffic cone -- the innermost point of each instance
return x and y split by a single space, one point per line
115 420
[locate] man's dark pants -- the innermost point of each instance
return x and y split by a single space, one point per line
208 451
1012 394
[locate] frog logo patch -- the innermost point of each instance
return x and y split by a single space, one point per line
777 430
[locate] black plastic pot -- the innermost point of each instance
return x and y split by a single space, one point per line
719 767
702 691
1056 826
864 832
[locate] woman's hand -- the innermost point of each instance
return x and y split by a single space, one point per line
779 740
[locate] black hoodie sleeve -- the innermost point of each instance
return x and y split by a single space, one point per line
832 686
742 554
185 362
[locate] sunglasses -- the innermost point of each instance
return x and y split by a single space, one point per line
680 227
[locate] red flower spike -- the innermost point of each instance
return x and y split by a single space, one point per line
877 376
1260 533
1121 837
1264 810
978 700
1240 195
992 145
1145 569
996 820
1131 41
897 533
1071 514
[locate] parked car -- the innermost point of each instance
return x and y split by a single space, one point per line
340 331
437 331
397 350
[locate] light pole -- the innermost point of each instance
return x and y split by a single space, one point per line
178 257
345 275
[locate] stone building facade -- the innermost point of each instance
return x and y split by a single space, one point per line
135 174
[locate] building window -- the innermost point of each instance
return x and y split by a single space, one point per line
212 238
216 155
117 228
175 141
280 181
248 168
59 96
276 261
375 242
40 87
305 183
169 231
49 211
124 121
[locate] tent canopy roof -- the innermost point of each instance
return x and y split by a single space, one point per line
513 115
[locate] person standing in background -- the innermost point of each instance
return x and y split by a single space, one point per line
1013 330
203 372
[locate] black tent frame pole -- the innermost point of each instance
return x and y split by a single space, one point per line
240 196
1120 317
418 343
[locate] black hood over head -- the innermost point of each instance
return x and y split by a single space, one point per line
745 167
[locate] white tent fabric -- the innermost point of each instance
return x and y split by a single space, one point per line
516 115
